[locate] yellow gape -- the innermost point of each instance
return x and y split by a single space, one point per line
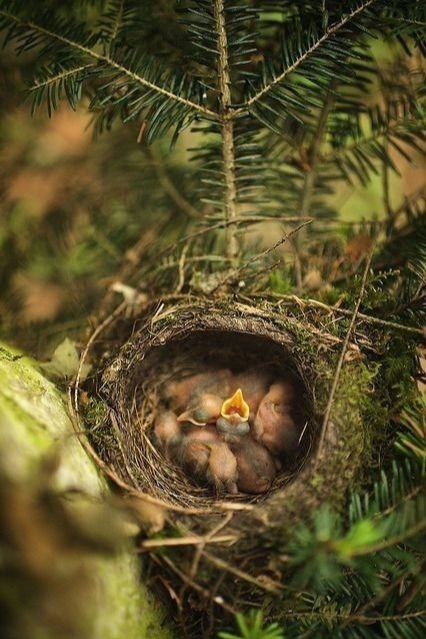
235 405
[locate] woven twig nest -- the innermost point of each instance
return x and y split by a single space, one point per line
138 352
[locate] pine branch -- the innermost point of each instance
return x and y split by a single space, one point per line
106 60
330 32
227 128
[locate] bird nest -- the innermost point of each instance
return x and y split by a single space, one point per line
136 358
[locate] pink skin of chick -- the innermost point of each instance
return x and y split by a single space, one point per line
206 456
203 409
254 385
222 468
194 453
273 425
167 431
180 393
256 466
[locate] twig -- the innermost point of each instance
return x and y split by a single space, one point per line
311 178
272 587
227 127
219 225
190 582
212 534
361 316
189 540
168 185
182 258
343 353
350 618
236 272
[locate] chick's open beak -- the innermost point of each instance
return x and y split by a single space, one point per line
236 405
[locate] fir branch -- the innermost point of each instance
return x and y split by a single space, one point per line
117 21
329 33
108 61
387 130
227 127
59 77
413 531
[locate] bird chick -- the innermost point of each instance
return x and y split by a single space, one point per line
273 425
194 452
178 393
167 431
254 385
256 466
203 409
222 468
233 421
218 382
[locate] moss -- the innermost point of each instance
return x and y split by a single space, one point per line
33 424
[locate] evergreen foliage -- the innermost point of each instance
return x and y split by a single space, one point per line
288 100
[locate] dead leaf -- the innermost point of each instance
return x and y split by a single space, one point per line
359 246
65 361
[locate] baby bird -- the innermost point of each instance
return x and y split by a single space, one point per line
219 382
256 466
273 425
203 409
207 457
194 452
167 431
180 393
254 385
222 468
233 421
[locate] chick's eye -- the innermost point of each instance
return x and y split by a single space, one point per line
277 407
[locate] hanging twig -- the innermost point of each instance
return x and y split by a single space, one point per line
343 353
311 178
168 185
234 274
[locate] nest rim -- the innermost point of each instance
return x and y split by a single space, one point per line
155 331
